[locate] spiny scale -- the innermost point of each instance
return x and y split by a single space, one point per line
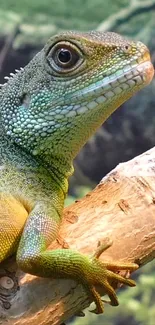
12 74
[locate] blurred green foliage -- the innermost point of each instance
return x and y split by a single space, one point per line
64 13
39 19
81 191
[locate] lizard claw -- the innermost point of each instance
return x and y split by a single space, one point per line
103 274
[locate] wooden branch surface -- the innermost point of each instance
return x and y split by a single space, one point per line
121 207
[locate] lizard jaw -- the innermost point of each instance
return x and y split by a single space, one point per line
104 91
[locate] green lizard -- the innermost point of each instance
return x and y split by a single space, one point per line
48 111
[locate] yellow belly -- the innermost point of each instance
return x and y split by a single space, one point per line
13 215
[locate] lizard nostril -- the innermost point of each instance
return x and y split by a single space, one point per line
127 48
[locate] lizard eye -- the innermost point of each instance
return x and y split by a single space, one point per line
64 57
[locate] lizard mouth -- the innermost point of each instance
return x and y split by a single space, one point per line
146 68
129 79
120 86
144 57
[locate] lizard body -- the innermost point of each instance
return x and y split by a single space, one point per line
48 110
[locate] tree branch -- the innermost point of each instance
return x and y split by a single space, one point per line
135 7
7 46
121 207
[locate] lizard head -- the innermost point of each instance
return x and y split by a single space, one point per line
69 89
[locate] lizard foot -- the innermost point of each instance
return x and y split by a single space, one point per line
87 270
102 273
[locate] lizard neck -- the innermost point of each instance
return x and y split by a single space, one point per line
11 154
57 165
21 159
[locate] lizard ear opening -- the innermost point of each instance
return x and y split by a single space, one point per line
25 100
64 57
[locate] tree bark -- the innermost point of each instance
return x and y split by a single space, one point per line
122 208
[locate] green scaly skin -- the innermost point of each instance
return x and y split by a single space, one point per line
48 111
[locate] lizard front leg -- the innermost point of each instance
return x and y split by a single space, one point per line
33 257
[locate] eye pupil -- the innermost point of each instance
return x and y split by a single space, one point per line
64 56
